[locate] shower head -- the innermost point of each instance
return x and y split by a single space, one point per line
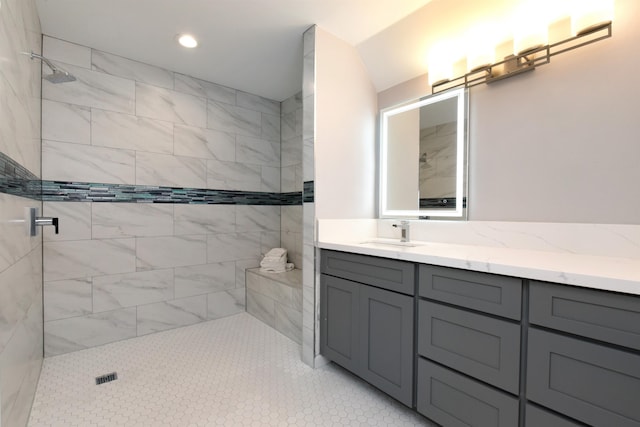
58 75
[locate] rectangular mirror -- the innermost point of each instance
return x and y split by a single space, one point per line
423 157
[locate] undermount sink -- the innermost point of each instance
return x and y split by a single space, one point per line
390 242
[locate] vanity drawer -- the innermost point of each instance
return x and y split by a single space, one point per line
491 293
480 346
383 273
604 316
453 400
537 417
592 383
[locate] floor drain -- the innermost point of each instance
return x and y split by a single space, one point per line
106 378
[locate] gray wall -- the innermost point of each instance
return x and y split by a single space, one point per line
559 144
118 271
20 256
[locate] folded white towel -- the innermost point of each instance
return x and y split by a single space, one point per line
276 253
278 269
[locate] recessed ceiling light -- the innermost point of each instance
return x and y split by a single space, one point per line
187 40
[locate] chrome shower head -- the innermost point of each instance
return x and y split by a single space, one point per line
58 75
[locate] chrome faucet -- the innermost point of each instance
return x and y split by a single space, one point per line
404 229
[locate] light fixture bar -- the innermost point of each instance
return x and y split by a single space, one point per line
525 61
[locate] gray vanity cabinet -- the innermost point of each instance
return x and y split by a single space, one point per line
596 382
367 328
469 327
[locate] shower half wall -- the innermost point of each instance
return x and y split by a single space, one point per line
167 188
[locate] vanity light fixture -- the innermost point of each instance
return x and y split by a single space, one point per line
526 60
187 40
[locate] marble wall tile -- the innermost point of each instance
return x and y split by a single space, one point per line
225 303
257 151
262 307
230 118
288 125
292 242
67 52
171 171
116 130
277 291
291 218
19 131
308 165
204 219
131 289
77 333
171 314
20 291
233 176
63 161
291 104
22 359
232 247
257 218
165 252
67 298
14 242
270 127
129 69
288 179
74 221
288 322
113 220
269 240
164 104
241 267
248 122
212 91
291 151
204 143
221 116
270 179
66 122
93 89
84 258
204 279
257 103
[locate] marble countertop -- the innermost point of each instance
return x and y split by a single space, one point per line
592 271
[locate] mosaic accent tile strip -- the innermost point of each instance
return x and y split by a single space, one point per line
17 180
308 192
63 191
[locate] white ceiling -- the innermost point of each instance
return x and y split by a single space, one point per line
251 45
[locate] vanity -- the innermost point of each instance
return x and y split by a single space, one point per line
465 347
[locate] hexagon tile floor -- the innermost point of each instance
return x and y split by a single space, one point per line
234 371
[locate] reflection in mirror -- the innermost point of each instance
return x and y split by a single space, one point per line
423 149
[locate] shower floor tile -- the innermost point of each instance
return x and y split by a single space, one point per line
234 371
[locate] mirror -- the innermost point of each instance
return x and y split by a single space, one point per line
423 157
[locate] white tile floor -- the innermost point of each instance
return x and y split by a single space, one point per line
234 371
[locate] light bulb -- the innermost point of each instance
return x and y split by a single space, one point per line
590 14
187 40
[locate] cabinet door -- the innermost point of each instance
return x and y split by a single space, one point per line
481 346
339 308
453 400
386 342
592 383
537 417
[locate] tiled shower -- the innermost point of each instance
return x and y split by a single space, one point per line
167 188
120 270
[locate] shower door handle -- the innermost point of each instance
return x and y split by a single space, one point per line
33 221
